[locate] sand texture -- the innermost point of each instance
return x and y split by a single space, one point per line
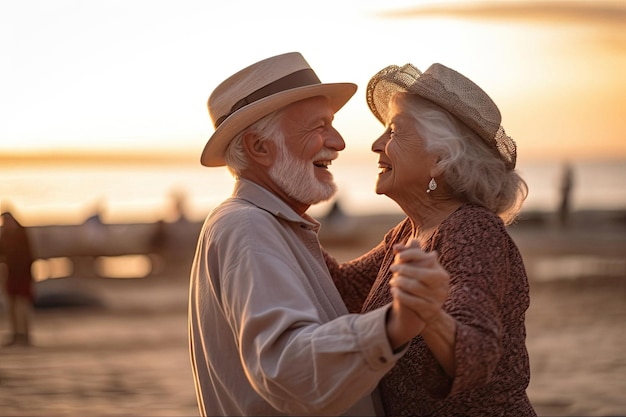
118 347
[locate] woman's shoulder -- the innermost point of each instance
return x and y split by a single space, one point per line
472 218
474 213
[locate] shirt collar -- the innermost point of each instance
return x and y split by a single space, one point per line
265 200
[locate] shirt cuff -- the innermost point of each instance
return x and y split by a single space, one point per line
371 334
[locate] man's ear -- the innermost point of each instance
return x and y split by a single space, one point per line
259 150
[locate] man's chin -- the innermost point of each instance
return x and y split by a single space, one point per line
303 185
324 192
320 199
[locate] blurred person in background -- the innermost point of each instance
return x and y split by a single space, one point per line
447 162
15 253
269 333
567 183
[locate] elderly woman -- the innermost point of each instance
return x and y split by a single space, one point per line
447 162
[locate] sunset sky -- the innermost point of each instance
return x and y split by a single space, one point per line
133 76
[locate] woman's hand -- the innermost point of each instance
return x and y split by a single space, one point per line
419 282
419 287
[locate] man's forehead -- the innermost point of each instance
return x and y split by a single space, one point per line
310 108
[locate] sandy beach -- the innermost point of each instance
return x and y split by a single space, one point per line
123 352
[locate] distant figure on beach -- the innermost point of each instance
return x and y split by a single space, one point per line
338 227
567 183
337 220
336 213
446 161
177 210
15 253
94 233
269 333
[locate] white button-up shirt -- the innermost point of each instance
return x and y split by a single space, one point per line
268 331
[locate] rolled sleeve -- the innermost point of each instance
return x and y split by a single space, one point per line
371 332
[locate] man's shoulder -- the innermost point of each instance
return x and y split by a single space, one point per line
232 204
236 214
240 226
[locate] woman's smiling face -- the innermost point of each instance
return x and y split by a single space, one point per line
405 166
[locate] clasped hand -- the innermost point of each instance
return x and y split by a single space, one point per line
419 287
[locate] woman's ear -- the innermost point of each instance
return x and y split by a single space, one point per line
435 169
259 150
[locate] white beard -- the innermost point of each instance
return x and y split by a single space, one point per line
297 178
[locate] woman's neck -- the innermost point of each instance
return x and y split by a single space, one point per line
427 218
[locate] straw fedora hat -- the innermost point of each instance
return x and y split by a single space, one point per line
449 89
260 89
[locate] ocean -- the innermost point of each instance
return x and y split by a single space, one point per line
53 193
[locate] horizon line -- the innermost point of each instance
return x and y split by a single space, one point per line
168 156
100 157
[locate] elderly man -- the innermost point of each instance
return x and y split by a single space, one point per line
269 333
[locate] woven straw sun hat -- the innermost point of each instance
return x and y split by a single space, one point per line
260 89
450 90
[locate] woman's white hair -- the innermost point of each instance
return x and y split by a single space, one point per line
471 169
268 128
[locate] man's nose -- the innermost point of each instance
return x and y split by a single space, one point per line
335 141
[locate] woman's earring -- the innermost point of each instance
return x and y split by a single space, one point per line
432 185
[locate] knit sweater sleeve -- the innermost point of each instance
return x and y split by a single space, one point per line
354 279
473 249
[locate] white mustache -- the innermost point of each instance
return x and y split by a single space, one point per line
326 155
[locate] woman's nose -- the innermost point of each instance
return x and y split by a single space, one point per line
379 144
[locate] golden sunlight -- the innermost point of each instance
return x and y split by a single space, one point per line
121 115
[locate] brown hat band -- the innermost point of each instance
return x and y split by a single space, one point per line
296 79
